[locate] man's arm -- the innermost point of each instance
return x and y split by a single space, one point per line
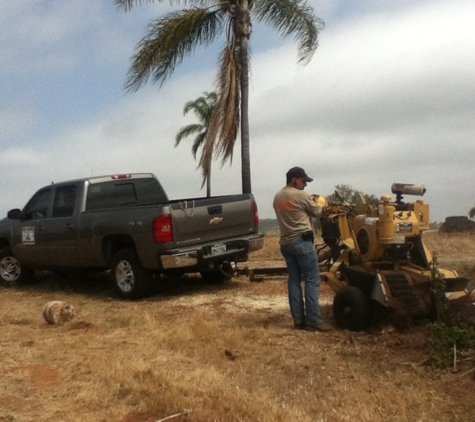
311 206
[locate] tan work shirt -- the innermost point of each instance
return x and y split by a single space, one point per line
294 209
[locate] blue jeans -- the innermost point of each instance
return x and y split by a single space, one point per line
302 260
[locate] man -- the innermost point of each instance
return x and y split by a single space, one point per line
294 209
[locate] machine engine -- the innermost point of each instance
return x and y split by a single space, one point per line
390 231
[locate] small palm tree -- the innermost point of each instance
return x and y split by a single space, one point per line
175 35
471 213
203 108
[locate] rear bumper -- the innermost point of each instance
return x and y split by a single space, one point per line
236 249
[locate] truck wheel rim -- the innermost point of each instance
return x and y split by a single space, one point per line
10 269
124 275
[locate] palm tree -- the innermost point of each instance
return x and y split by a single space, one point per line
203 108
176 34
471 213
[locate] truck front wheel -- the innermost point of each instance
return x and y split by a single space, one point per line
11 272
130 279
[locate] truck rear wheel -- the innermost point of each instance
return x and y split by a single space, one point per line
130 279
11 272
351 309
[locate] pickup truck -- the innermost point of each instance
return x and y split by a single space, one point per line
125 223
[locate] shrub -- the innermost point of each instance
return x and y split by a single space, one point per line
445 340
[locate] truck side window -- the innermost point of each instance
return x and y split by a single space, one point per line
104 196
64 201
149 191
110 195
122 194
38 205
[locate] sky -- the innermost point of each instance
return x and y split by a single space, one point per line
389 96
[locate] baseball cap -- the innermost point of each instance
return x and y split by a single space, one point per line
298 173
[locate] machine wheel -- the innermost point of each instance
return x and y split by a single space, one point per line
130 279
351 309
11 272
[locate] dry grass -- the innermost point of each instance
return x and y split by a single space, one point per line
214 353
454 250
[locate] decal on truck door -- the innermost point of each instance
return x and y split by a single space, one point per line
28 235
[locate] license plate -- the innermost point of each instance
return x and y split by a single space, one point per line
218 249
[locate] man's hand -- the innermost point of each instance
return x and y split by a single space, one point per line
319 200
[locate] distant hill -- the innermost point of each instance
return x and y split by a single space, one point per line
268 226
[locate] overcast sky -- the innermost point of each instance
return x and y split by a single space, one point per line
388 97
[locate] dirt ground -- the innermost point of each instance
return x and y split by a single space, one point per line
198 352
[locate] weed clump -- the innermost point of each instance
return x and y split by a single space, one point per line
446 339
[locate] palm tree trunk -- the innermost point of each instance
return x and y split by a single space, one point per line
245 152
208 183
245 33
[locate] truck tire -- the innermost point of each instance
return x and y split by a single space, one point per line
130 279
11 272
351 309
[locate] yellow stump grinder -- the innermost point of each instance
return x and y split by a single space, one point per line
376 261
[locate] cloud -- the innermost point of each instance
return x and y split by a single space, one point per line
387 98
137 134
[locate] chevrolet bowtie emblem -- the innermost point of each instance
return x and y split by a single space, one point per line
216 220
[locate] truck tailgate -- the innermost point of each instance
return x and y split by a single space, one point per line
211 219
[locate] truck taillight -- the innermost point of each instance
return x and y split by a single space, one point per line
163 229
256 216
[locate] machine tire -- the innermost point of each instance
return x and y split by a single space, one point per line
131 280
351 309
12 273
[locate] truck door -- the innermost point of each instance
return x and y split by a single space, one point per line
61 228
29 244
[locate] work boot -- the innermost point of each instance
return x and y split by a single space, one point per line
321 326
299 325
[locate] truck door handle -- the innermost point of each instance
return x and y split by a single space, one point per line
40 228
215 209
69 225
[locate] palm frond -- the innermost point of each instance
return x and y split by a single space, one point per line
126 5
197 143
188 130
224 124
229 99
168 41
290 17
202 107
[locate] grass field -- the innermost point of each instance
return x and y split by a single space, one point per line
198 352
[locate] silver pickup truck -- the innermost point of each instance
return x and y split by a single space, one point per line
126 223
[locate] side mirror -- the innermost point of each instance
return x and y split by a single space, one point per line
14 214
